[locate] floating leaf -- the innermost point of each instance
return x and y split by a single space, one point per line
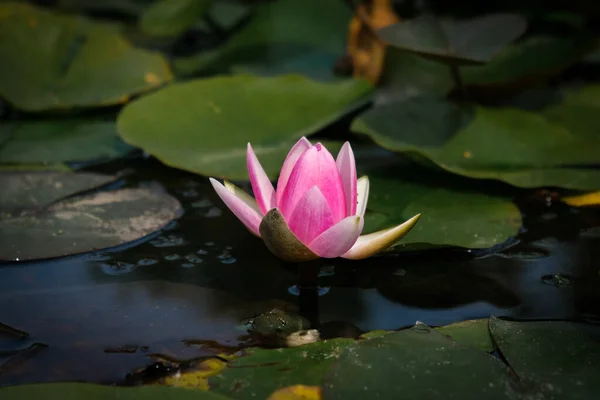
470 41
22 191
279 30
297 392
53 61
204 125
60 140
416 363
88 391
262 371
91 222
408 75
172 17
557 358
474 332
578 111
449 216
527 61
198 378
519 147
588 199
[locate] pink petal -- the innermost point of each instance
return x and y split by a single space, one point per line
338 239
362 190
315 167
261 185
311 217
373 243
347 167
288 165
240 205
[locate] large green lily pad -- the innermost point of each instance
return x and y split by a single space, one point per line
53 61
262 371
60 140
578 111
416 363
529 60
557 358
88 391
449 216
522 148
470 41
204 125
279 31
31 191
85 223
172 17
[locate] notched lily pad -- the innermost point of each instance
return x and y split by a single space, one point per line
261 371
557 358
416 363
95 221
60 140
464 42
172 17
522 148
204 125
31 191
53 61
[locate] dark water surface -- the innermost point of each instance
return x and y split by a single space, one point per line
97 317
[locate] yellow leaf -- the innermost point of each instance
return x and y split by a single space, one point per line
588 199
297 392
198 378
365 48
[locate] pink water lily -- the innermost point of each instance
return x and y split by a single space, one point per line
317 210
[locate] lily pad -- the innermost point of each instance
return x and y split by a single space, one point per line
474 332
73 391
60 140
416 363
578 111
172 17
520 147
449 216
470 41
53 61
529 60
279 30
31 191
204 125
91 222
261 371
557 358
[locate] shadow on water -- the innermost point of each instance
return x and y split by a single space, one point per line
97 317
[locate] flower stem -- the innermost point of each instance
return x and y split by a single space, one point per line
308 297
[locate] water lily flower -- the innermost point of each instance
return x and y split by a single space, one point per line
317 210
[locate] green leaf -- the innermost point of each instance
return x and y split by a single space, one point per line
279 30
470 41
262 371
557 358
416 363
474 332
204 125
407 75
172 17
52 61
90 222
60 140
88 391
32 191
530 60
519 147
449 216
578 112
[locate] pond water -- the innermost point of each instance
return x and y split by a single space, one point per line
186 291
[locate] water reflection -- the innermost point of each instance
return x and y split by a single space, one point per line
199 279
